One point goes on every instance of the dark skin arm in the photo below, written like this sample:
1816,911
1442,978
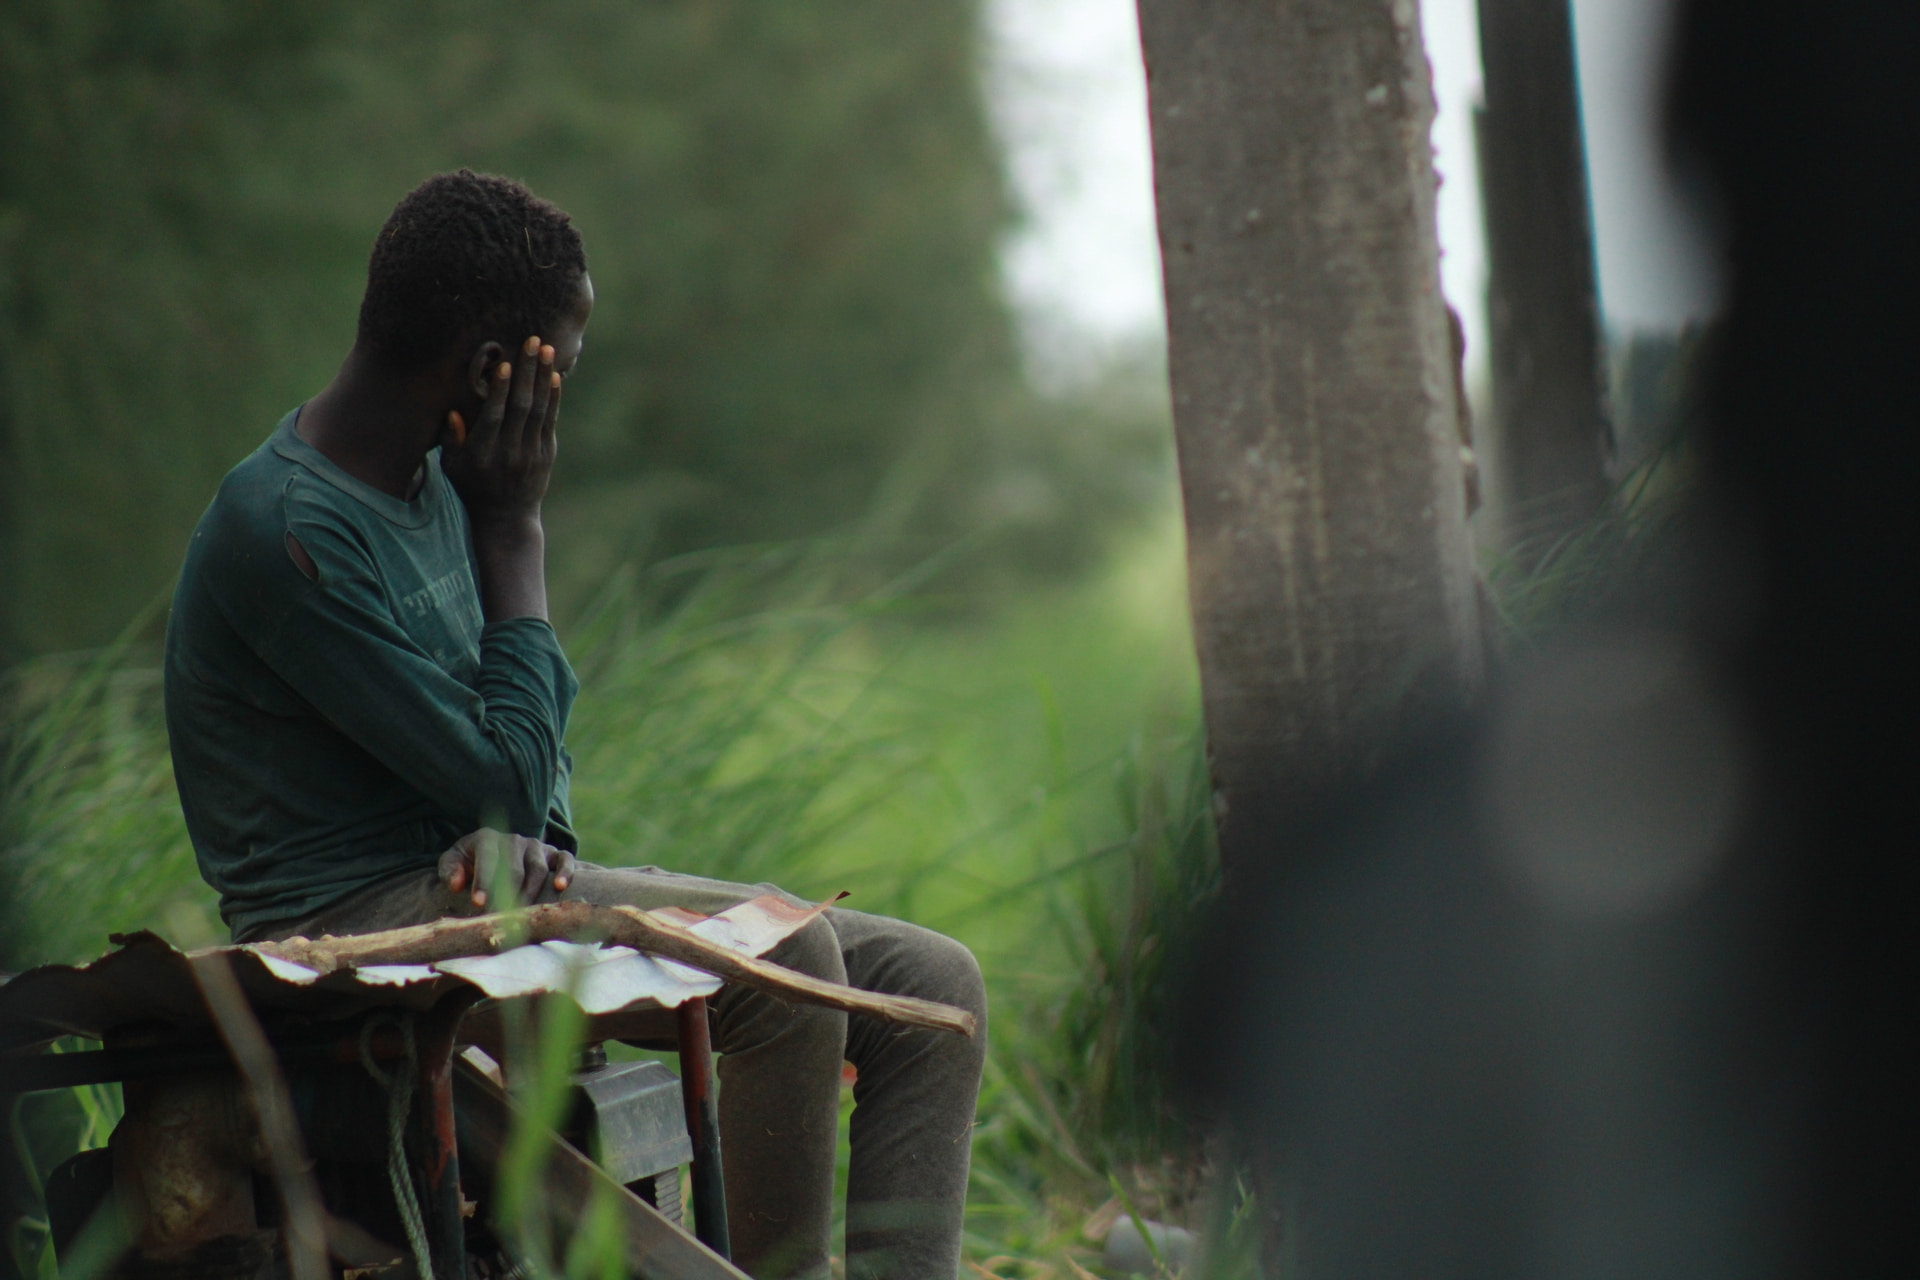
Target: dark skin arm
378,426
500,470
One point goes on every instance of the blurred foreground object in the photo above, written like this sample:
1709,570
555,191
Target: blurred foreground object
1549,444
1608,978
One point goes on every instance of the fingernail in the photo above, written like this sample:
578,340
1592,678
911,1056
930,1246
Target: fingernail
556,382
546,355
504,372
479,898
533,345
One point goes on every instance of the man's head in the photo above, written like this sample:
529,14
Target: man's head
469,261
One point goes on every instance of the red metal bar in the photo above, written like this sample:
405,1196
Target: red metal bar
439,1145
703,1127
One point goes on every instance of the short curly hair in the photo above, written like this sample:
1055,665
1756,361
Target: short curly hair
467,256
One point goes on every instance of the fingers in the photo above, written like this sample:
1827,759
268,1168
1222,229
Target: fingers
484,436
456,864
520,403
531,861
486,863
547,428
455,868
560,867
543,380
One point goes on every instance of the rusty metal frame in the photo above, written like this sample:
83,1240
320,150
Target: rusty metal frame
441,1202
703,1127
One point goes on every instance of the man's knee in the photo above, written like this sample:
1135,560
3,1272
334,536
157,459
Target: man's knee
813,950
935,967
952,974
750,1018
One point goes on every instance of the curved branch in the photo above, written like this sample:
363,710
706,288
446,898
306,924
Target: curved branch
621,926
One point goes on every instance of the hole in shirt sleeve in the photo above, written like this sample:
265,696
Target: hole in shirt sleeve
301,559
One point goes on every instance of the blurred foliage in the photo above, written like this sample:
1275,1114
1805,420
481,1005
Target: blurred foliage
792,214
88,811
1077,1102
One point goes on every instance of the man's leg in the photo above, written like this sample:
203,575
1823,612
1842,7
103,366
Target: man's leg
914,1098
913,1118
779,1078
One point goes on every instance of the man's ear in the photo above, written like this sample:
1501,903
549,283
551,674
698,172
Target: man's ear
480,368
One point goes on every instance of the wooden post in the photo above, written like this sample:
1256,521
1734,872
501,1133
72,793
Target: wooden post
1550,444
1330,568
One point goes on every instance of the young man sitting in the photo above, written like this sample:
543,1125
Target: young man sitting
360,675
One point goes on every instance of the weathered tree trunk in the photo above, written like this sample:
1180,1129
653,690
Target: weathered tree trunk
1330,568
1550,444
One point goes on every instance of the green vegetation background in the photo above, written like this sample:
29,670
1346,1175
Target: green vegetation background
854,607
792,214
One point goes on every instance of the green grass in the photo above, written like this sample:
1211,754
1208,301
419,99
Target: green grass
1024,776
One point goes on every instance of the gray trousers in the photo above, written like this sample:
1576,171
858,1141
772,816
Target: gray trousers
780,1075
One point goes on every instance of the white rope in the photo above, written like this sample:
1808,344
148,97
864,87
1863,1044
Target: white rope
399,1088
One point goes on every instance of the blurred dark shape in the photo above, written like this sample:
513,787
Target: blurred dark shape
1653,392
1609,977
1547,438
18,1195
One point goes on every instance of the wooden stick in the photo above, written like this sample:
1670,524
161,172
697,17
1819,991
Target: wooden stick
621,926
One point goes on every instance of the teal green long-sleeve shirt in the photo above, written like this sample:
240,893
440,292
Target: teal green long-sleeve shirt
330,732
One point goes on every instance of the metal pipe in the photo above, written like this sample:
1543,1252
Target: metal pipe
439,1146
703,1127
